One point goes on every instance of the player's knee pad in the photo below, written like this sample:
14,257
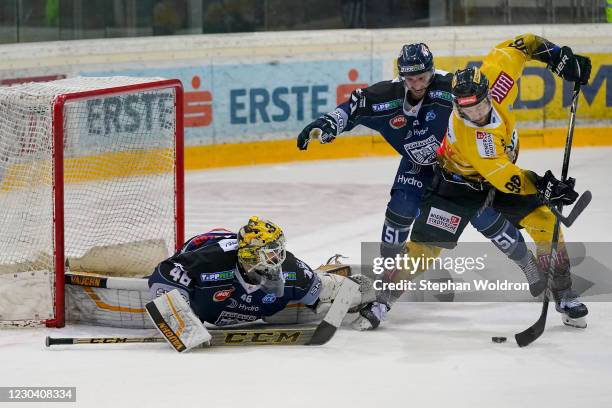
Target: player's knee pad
505,236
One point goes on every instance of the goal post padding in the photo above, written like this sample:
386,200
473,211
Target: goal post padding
85,163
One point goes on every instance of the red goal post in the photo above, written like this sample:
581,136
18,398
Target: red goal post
86,163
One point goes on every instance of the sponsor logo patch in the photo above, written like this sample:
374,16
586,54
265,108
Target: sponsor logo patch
411,181
398,121
429,116
226,318
217,276
501,87
485,144
440,95
247,308
228,244
269,298
385,106
423,151
222,295
412,68
468,100
289,276
444,220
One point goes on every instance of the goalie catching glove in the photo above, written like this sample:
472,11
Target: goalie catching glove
174,319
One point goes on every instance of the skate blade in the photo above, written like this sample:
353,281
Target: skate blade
579,323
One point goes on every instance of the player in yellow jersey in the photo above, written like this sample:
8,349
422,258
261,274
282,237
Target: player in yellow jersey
476,163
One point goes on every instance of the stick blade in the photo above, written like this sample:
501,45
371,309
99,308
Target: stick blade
580,205
323,333
529,335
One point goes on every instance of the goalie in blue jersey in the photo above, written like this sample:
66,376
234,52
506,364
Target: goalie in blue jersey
224,278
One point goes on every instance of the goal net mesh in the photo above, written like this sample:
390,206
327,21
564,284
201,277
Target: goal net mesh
119,185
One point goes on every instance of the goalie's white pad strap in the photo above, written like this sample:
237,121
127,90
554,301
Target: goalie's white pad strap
175,320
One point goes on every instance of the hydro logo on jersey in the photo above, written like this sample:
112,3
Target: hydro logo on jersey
409,181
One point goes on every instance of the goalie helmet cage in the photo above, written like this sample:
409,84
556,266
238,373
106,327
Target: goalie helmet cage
85,163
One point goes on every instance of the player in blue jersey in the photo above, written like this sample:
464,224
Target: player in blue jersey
411,112
227,278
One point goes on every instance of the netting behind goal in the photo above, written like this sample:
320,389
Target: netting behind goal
90,175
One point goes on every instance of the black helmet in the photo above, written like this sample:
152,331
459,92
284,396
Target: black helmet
469,87
414,59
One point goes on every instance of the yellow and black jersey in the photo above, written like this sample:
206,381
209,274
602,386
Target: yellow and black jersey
487,153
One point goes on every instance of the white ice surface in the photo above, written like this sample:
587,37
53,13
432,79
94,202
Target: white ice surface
426,355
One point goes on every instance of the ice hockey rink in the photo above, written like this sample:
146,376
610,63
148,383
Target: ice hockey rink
425,355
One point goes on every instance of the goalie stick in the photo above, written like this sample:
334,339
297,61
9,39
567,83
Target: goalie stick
313,336
529,335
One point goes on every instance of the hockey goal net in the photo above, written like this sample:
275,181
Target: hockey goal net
88,166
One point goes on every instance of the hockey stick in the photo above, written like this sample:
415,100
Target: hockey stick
219,338
313,336
580,205
529,335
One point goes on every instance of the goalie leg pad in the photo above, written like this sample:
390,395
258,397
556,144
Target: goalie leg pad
173,317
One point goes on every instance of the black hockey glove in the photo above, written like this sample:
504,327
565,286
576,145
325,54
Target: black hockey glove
329,131
553,191
570,66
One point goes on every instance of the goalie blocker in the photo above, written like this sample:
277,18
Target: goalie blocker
175,320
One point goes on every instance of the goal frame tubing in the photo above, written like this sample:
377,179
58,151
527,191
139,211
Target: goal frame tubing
58,175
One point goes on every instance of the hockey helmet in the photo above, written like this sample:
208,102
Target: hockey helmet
469,87
414,59
261,252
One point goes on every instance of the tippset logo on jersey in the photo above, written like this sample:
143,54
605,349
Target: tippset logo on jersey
398,122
